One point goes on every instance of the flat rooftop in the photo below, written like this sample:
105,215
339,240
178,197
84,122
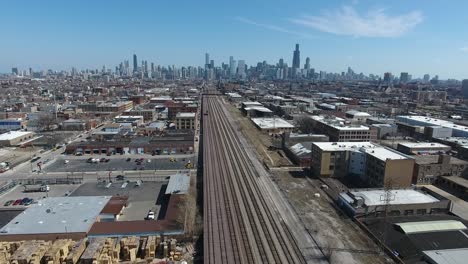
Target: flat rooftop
423,145
377,197
178,183
57,215
185,115
258,108
447,256
372,149
269,123
433,122
13,134
338,123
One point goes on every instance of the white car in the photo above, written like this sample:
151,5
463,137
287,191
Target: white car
66,161
150,215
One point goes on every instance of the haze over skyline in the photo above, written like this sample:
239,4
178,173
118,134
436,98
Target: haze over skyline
395,36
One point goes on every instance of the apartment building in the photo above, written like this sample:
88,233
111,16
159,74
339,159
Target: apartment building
365,162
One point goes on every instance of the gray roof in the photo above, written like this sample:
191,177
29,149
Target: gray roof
447,256
57,215
178,183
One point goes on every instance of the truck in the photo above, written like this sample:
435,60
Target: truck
36,188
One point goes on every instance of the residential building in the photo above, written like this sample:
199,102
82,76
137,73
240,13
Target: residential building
369,163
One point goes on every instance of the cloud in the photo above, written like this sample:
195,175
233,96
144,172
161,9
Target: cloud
346,21
274,28
464,49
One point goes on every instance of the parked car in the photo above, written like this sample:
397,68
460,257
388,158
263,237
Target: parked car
129,159
107,160
66,161
120,177
102,160
150,215
28,202
17,202
8,203
24,201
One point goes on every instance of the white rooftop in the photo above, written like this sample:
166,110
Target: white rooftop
191,115
268,123
372,149
258,108
57,215
423,145
378,197
13,134
357,113
338,123
434,122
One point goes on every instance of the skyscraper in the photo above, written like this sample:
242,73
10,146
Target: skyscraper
465,88
135,63
404,77
14,71
207,60
296,64
307,64
241,69
232,66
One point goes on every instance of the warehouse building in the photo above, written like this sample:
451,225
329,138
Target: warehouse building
444,125
365,162
374,202
15,138
413,148
185,120
56,217
273,125
340,131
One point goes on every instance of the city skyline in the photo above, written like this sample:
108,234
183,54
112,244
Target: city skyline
58,36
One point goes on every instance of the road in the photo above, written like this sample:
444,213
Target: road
244,215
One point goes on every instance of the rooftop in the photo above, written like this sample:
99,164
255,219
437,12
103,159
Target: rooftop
185,115
258,108
431,226
13,134
447,256
57,215
423,145
300,150
434,122
357,113
403,196
338,123
268,123
178,183
372,149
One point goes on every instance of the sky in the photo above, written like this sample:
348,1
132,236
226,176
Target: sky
417,36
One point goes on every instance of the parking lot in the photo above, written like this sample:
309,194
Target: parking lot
81,165
17,192
141,199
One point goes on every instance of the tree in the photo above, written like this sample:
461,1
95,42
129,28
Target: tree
305,124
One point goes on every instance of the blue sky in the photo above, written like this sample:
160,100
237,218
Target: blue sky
418,36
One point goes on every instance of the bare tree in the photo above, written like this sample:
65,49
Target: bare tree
46,122
305,124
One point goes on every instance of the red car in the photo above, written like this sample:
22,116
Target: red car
18,202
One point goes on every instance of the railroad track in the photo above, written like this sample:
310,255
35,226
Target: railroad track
240,224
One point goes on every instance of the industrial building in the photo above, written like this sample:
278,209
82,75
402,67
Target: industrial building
15,138
369,163
440,128
340,131
273,125
185,120
57,217
374,202
420,148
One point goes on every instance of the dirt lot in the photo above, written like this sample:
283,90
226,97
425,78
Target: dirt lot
258,139
335,232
